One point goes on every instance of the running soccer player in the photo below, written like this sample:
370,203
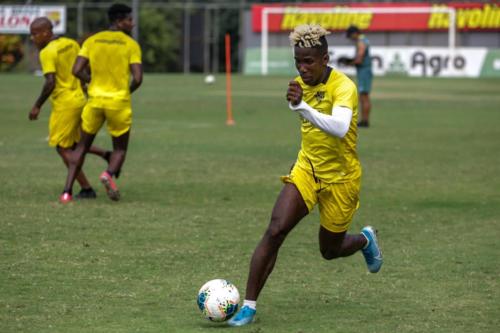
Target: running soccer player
113,56
364,75
327,171
57,55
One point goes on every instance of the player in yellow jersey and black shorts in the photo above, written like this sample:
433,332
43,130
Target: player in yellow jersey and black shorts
113,58
327,172
57,56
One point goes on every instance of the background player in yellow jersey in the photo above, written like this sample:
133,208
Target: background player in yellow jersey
57,56
113,56
327,171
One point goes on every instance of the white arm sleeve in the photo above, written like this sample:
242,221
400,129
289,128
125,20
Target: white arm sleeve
336,125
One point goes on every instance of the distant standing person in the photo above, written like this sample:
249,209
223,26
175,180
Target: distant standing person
363,63
57,56
114,59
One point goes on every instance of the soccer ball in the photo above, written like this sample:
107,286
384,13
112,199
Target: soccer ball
218,300
209,79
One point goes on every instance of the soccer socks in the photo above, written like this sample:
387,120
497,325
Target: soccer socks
251,304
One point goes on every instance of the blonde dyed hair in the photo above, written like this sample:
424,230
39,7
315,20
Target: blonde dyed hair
307,35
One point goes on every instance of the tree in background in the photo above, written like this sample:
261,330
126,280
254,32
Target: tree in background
160,39
11,51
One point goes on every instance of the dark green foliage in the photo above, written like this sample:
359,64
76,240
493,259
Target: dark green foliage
160,39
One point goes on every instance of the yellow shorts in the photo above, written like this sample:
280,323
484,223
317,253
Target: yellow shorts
337,202
64,126
118,120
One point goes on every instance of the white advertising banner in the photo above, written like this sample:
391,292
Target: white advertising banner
419,61
406,61
17,19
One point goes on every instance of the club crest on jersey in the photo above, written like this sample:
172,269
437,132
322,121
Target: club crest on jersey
320,95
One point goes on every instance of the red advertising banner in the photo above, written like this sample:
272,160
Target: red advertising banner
469,16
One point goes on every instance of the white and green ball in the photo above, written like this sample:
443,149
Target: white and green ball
218,300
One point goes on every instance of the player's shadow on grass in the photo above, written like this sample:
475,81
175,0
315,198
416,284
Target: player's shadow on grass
212,325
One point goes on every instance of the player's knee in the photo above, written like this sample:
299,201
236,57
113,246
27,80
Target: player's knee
60,150
63,153
275,233
330,253
75,157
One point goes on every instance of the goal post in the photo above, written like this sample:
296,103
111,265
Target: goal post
266,11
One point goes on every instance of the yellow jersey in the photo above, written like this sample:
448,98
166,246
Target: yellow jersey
328,158
110,54
58,57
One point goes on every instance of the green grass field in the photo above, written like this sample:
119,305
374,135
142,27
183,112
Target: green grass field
197,195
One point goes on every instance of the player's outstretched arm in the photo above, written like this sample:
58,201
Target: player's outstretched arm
136,70
48,87
80,69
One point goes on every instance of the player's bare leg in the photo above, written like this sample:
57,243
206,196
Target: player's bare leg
365,110
65,155
120,145
95,150
76,160
288,210
104,154
336,245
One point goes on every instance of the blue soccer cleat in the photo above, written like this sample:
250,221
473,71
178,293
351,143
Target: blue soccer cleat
371,252
243,317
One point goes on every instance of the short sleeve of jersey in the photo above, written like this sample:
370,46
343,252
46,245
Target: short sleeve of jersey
48,58
135,53
345,94
84,51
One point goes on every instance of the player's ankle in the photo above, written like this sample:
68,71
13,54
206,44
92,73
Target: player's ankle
251,304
